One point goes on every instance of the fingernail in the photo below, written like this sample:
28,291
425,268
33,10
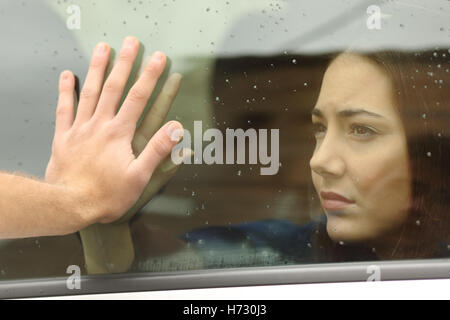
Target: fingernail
129,42
65,75
175,131
158,56
101,49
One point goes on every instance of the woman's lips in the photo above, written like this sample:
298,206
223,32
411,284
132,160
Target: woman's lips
334,201
334,204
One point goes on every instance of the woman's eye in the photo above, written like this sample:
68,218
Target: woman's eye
318,129
362,131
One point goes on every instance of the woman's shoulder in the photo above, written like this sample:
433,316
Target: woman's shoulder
275,239
273,230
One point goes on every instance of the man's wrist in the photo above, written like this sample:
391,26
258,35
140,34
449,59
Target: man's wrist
79,205
31,207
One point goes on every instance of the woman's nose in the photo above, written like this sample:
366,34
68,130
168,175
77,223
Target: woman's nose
327,159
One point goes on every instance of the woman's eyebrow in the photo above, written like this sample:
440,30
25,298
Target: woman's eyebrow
347,113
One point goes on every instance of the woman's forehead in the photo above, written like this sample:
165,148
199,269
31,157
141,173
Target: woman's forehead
351,70
354,80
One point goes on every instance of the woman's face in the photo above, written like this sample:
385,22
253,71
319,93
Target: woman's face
361,152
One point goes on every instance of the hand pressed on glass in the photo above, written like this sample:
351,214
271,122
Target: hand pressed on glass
92,154
99,157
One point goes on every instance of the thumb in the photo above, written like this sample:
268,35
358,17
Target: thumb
159,147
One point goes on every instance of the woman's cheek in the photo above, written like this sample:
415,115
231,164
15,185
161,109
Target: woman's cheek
367,175
384,192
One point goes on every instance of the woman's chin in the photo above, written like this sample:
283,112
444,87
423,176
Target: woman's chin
343,231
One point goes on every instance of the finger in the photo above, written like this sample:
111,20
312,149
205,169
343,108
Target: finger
157,149
65,108
107,248
179,156
138,144
90,93
160,177
117,80
158,112
141,91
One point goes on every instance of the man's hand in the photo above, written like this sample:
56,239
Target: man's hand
92,155
149,126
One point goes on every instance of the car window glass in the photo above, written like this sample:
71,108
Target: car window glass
263,185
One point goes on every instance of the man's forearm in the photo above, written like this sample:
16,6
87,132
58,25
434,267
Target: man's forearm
30,208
